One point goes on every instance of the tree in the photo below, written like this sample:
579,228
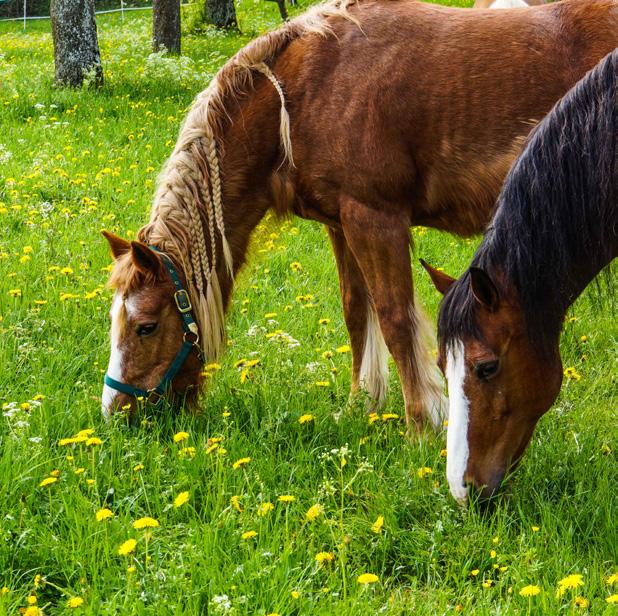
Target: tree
76,46
166,25
221,13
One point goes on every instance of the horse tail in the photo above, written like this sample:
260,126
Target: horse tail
373,376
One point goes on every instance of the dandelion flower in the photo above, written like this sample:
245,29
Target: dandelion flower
235,502
240,463
31,599
423,471
187,452
74,602
475,572
376,527
313,512
47,481
145,523
264,509
303,419
367,578
581,602
529,591
179,437
93,442
612,599
181,499
388,416
343,349
324,557
295,594
249,534
535,529
612,579
33,610
487,583
575,580
103,514
138,467
127,547
286,498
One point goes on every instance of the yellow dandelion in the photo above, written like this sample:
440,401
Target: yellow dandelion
322,383
240,463
264,509
145,523
33,610
181,499
345,348
487,583
127,547
303,419
295,594
529,591
85,432
324,557
179,437
93,442
376,527
31,599
367,578
103,514
612,579
235,502
423,471
249,534
475,572
138,467
313,512
535,529
286,498
75,602
388,416
575,580
612,599
48,481
296,266
581,602
324,321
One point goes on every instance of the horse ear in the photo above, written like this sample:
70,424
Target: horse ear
483,288
441,280
117,245
145,260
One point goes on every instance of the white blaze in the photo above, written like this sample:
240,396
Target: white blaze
115,358
457,435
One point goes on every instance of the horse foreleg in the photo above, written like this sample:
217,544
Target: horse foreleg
369,352
380,243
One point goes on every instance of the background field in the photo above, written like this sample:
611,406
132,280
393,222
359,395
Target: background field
75,162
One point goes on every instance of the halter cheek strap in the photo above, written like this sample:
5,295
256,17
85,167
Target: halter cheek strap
156,395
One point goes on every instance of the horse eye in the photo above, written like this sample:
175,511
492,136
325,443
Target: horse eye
145,329
485,370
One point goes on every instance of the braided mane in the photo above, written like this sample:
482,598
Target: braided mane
188,202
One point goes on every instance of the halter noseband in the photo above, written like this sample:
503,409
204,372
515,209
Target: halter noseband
155,395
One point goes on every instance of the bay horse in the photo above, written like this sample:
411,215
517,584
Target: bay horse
555,228
367,117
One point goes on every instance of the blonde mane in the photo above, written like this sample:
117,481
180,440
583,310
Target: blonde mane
188,202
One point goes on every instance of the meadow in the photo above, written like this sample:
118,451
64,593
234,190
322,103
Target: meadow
274,497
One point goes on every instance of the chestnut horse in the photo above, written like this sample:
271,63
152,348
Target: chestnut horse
368,117
555,229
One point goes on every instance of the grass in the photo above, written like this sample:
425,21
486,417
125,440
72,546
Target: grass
75,162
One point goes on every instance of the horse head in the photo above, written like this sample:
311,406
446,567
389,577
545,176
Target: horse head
154,352
499,382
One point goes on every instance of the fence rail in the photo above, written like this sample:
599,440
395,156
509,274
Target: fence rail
120,10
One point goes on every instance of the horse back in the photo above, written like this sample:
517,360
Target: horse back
425,107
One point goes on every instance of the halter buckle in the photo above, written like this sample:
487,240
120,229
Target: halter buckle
154,397
183,303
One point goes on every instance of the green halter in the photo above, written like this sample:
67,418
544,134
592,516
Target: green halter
156,395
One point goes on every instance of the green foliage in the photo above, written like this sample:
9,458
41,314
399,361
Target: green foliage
74,162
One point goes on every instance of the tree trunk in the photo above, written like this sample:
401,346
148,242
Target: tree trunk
166,25
76,47
221,13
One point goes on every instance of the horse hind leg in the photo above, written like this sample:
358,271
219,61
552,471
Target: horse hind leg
380,244
369,352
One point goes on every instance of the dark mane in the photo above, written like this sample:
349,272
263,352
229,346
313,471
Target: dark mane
555,225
